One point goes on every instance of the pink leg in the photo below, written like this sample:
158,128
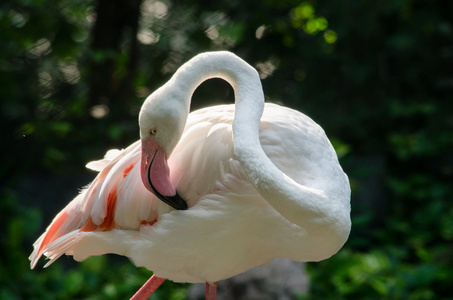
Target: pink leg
211,291
148,288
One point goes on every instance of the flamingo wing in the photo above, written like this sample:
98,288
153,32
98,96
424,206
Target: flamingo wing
116,199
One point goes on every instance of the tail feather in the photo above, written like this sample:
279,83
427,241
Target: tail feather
68,220
61,246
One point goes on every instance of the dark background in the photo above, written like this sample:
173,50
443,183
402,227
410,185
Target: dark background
376,75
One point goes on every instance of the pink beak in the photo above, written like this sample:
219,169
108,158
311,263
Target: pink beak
156,175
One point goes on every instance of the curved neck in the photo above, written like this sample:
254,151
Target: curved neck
299,204
249,97
249,103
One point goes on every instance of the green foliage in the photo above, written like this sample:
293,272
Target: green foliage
378,275
401,250
376,75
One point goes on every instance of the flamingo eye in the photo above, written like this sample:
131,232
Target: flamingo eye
153,131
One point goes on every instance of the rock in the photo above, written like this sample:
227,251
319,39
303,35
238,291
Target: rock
280,279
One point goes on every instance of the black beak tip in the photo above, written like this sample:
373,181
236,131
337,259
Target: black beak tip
174,201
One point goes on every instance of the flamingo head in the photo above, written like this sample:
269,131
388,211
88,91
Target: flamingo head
162,119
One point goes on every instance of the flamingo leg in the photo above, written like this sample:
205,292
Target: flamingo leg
211,291
148,288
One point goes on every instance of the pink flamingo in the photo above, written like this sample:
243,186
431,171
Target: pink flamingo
243,184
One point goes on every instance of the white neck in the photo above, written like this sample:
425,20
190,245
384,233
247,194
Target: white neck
303,206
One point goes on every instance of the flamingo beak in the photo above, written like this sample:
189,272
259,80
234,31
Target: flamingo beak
156,175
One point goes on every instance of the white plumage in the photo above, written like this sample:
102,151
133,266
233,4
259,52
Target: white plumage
242,212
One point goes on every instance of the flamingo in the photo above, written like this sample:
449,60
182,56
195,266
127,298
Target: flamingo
204,196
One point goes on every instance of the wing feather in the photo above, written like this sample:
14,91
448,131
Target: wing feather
116,199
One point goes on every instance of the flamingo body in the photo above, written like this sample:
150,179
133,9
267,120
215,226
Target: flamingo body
260,181
228,229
